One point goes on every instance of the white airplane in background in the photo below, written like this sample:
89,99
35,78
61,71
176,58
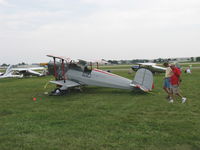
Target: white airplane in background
15,72
150,66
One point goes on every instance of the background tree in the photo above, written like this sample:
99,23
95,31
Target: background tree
198,58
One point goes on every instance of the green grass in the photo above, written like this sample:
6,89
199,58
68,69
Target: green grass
98,118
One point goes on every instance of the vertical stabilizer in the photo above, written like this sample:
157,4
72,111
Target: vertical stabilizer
8,70
143,79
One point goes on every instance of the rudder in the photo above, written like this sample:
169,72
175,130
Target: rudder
143,79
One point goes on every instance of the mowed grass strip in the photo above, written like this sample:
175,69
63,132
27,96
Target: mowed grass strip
98,118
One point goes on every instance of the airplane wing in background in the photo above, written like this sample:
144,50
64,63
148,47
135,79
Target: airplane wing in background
34,72
29,68
147,64
82,62
158,67
30,71
11,72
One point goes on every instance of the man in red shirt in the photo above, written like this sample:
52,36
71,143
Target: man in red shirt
175,82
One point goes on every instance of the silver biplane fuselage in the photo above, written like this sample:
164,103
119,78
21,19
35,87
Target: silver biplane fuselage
99,78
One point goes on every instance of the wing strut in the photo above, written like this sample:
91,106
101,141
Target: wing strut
55,70
63,70
91,65
97,65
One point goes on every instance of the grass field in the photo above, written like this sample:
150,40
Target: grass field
98,118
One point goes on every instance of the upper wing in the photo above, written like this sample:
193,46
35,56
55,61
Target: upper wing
60,57
66,83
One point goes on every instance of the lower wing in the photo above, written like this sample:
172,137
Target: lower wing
66,84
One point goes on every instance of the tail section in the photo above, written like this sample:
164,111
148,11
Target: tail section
143,80
8,70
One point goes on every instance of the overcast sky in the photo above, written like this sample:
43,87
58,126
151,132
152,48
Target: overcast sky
95,29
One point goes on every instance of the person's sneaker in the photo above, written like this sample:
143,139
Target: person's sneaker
171,101
184,99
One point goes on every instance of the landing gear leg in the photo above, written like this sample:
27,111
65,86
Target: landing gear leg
79,89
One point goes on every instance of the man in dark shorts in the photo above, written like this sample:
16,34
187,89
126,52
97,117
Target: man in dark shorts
167,84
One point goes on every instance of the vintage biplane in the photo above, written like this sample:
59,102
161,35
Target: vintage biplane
75,74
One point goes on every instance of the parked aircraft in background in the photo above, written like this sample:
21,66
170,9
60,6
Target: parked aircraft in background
72,74
9,74
150,66
19,72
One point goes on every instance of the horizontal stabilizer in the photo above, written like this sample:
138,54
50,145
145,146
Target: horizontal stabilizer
136,85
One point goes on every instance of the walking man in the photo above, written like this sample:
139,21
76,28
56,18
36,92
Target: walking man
167,84
175,82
